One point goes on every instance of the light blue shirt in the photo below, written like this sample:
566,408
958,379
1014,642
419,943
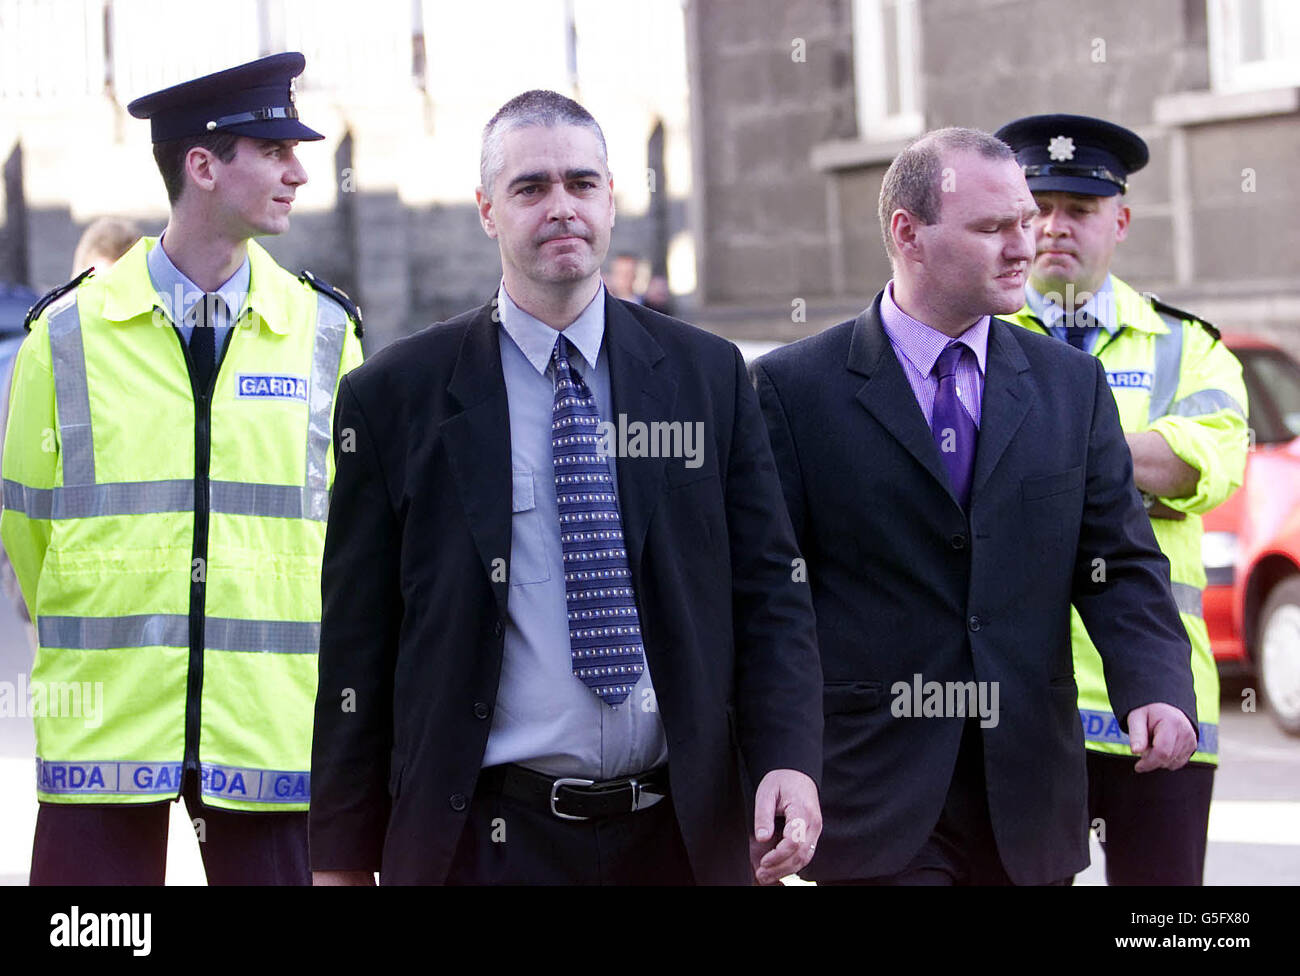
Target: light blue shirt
1101,306
174,289
545,718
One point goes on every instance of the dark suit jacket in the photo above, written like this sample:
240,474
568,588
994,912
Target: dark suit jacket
904,583
413,620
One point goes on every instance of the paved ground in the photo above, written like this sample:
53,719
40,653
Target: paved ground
1254,820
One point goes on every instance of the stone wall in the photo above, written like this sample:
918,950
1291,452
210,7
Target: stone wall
787,214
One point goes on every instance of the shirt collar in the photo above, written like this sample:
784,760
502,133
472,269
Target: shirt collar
920,343
172,285
536,340
1101,306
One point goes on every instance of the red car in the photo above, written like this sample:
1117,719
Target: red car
1251,548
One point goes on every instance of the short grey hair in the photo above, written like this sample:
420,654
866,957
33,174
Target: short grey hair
536,107
913,181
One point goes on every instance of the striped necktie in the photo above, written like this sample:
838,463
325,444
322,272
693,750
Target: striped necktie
604,628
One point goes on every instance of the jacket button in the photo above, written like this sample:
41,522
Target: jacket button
480,710
458,802
497,629
958,541
974,623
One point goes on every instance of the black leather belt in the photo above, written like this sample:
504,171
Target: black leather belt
573,798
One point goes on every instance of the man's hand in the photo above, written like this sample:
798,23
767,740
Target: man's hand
343,878
1162,735
793,795
1157,469
1162,511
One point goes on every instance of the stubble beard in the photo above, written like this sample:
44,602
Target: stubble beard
565,268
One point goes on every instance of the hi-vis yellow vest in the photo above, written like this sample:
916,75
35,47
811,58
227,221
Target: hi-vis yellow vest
1170,374
168,548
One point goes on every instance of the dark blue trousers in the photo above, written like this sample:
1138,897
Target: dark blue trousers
123,844
1156,823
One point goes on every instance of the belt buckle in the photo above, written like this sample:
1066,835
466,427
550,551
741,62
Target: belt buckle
555,790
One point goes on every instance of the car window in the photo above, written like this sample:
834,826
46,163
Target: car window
1273,385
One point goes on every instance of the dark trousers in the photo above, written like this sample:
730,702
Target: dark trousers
509,841
1153,824
127,844
961,850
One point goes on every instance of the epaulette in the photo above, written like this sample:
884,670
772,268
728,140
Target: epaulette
1165,309
50,297
339,295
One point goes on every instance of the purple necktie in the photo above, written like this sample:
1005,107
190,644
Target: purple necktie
954,430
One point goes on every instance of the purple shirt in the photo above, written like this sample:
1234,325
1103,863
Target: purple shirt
917,346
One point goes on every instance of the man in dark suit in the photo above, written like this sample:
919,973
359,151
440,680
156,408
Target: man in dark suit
564,618
955,483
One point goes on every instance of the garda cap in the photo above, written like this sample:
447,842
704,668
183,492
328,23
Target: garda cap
1075,153
254,99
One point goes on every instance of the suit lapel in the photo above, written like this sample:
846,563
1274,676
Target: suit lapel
1006,400
477,441
888,396
643,390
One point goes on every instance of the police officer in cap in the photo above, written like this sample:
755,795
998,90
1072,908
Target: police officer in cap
1183,407
167,473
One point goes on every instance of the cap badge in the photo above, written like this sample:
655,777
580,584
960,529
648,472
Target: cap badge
1061,149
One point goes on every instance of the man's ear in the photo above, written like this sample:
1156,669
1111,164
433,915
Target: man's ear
903,227
611,201
485,212
199,167
1122,216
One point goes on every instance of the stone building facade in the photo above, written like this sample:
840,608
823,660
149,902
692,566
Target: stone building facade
799,105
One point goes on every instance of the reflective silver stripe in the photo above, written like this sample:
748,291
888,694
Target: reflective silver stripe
86,501
273,501
261,785
274,636
89,777
1187,598
1167,369
173,630
68,361
102,633
21,498
1206,401
151,497
226,782
32,502
1103,727
331,329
